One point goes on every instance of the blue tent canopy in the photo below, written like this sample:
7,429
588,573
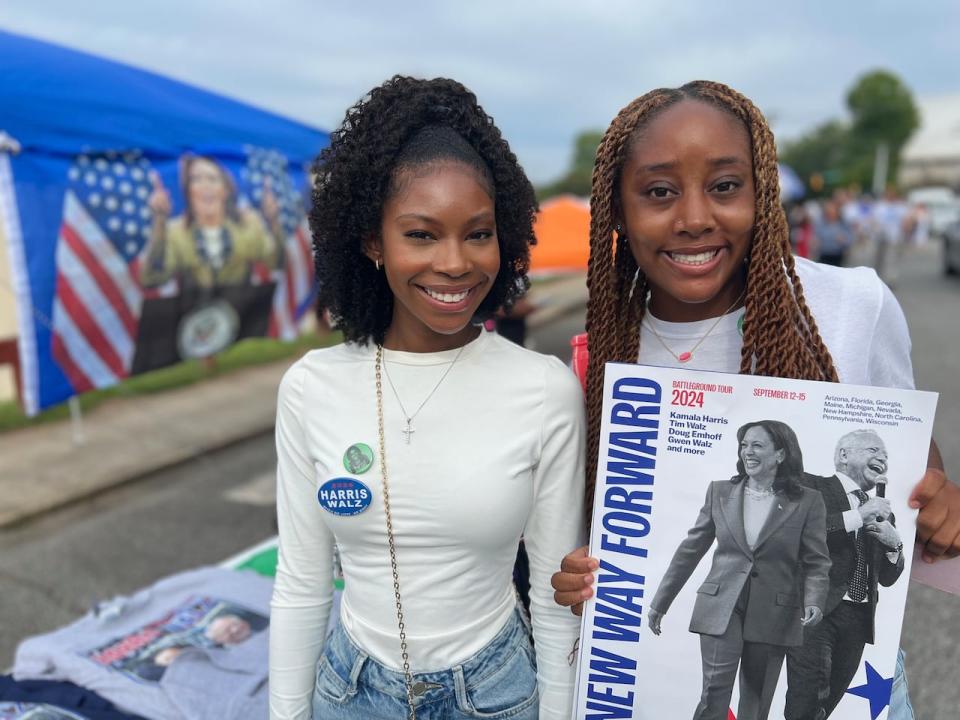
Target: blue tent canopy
90,132
61,100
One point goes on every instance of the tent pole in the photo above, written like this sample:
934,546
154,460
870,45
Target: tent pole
76,421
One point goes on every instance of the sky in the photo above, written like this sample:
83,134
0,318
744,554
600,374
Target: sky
544,70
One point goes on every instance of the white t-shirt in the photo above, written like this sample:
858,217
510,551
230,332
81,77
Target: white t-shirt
858,317
497,452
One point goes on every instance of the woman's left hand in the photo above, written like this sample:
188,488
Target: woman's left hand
572,585
653,620
938,524
812,615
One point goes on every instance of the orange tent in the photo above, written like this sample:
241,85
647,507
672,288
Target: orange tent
563,236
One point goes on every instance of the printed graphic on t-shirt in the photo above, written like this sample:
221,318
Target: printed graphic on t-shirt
33,711
205,622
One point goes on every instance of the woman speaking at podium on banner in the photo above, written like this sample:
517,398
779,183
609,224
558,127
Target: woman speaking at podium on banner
213,243
754,603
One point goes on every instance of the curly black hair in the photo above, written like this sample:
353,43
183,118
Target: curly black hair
356,174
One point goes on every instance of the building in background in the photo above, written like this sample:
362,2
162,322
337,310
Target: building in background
932,156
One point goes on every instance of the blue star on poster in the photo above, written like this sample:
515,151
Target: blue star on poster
877,690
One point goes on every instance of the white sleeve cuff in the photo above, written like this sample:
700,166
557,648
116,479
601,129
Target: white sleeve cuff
852,520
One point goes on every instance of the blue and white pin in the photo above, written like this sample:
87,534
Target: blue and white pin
344,496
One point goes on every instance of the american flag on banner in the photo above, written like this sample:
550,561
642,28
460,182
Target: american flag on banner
106,222
295,284
105,226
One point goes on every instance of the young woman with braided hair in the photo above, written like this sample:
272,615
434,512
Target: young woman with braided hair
690,266
423,446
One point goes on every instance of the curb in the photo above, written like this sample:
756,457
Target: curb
15,519
128,439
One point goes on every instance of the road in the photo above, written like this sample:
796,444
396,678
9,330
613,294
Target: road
53,569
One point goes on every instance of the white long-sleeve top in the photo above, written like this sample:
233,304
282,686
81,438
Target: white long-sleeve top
497,452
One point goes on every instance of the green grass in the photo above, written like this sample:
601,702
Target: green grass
246,353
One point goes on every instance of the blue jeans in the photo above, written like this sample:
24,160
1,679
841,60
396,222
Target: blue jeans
499,681
900,707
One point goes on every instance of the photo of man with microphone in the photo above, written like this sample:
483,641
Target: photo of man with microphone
866,551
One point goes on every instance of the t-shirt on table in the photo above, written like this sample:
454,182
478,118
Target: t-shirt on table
191,647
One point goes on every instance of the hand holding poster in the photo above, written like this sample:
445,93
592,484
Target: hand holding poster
751,536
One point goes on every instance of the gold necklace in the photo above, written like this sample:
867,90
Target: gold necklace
407,675
688,355
408,431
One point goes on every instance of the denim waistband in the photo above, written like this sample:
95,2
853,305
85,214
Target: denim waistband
365,670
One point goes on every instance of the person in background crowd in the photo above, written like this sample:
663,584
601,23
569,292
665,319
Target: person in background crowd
855,211
834,236
802,238
512,323
888,224
917,226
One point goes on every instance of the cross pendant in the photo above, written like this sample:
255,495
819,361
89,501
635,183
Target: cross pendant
408,432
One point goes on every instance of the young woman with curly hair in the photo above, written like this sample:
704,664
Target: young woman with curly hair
690,266
423,446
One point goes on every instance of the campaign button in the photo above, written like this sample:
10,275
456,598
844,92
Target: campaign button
344,496
358,458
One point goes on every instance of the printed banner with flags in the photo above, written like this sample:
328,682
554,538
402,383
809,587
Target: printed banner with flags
147,221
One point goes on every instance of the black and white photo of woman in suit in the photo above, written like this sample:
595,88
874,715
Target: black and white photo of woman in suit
769,574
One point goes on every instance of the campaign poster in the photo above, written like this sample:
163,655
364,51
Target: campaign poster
155,262
755,544
147,221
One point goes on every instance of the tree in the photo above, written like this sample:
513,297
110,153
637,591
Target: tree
882,111
577,178
843,153
821,152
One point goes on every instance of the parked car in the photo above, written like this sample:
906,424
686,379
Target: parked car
951,248
942,204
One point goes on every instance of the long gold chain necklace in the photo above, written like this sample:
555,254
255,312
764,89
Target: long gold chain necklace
407,675
688,355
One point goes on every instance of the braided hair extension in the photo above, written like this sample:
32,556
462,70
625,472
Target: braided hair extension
407,123
780,336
